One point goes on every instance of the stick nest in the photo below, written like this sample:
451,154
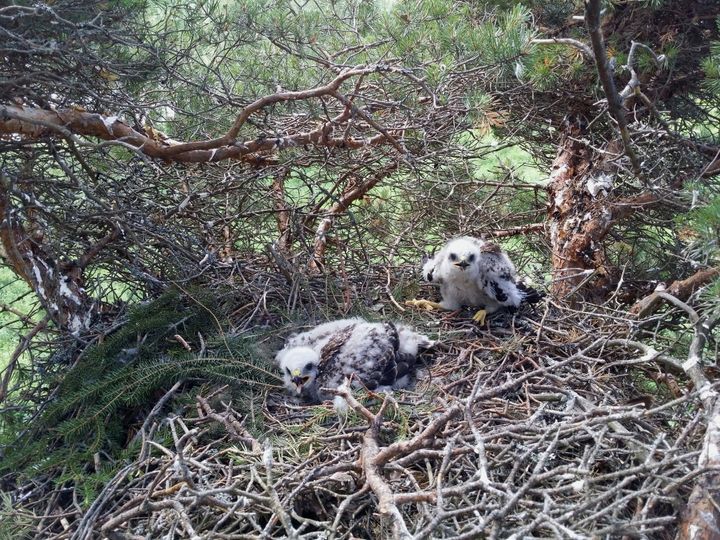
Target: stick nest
544,424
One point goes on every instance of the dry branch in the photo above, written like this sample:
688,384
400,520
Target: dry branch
282,215
352,194
592,21
69,123
680,289
701,518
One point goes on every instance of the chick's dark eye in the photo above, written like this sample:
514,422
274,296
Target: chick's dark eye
308,366
453,257
471,258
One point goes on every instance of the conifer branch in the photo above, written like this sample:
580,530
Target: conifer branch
582,47
592,21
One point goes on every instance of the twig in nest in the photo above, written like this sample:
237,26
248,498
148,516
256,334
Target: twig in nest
234,428
181,341
371,466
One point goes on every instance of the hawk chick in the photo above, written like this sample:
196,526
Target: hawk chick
373,354
473,272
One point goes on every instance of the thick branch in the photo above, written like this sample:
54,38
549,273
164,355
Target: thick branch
58,285
37,123
681,289
371,465
701,519
12,363
386,497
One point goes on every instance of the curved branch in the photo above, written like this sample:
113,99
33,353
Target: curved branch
261,103
345,101
352,194
633,84
681,290
371,464
592,21
69,123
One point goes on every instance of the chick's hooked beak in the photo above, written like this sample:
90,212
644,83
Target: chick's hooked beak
298,380
462,264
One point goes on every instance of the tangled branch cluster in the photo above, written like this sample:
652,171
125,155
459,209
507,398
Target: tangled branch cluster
343,180
533,428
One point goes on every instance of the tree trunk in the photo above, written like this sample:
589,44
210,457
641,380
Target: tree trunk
578,221
58,285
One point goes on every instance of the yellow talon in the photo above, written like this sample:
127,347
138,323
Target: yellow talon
427,305
479,316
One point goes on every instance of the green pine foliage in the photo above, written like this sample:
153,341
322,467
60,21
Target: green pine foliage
701,228
13,292
104,398
240,42
14,524
711,67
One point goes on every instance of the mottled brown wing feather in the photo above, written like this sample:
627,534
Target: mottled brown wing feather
388,361
330,351
489,247
333,347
